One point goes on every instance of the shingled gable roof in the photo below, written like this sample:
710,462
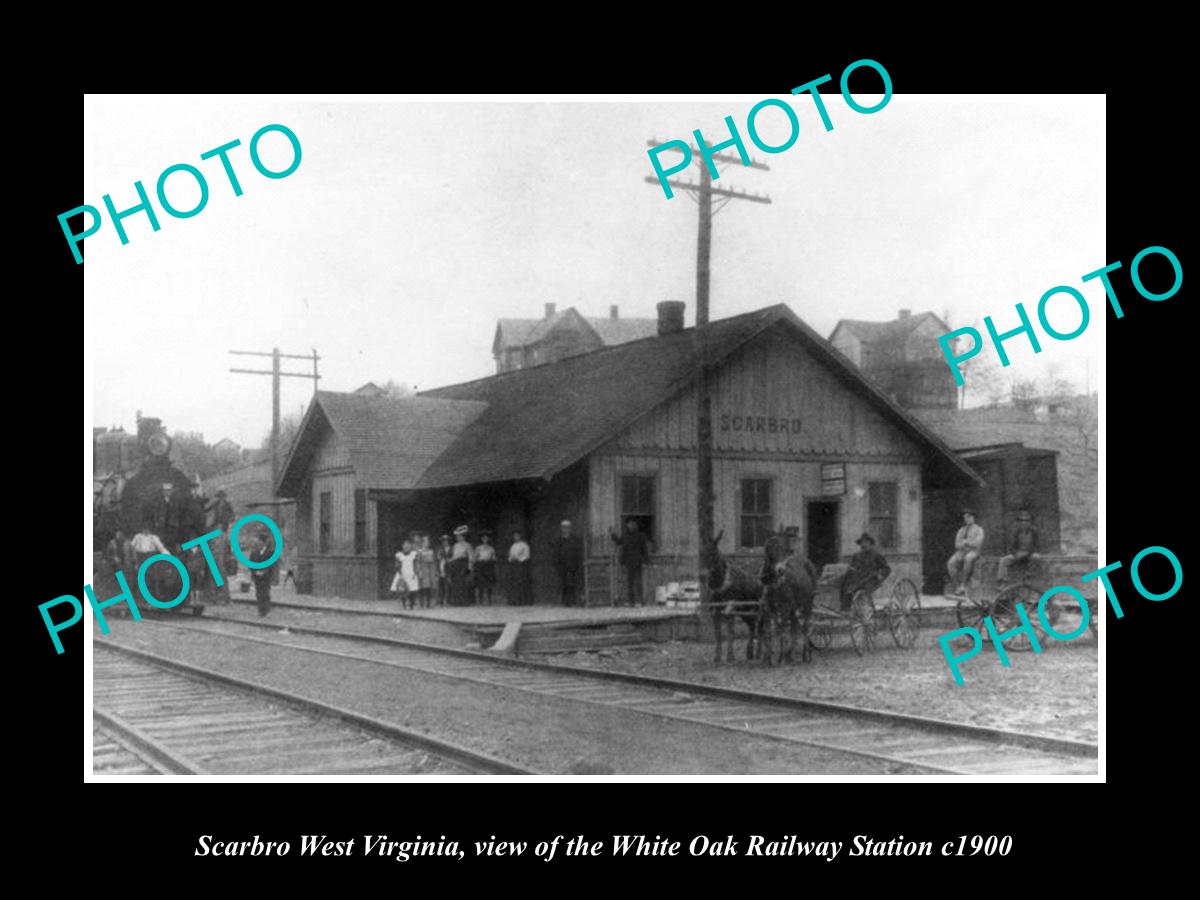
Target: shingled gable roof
887,332
541,419
619,331
610,331
522,332
391,442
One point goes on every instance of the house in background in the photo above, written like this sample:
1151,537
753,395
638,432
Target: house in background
902,357
521,343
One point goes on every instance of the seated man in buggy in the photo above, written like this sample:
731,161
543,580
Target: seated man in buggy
868,570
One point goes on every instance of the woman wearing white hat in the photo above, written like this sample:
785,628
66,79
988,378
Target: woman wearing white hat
458,568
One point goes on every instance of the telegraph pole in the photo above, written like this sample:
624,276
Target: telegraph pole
276,374
702,192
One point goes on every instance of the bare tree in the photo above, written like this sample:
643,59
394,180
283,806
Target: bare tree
289,427
395,390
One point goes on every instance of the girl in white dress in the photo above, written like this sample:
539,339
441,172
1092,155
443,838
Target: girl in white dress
406,583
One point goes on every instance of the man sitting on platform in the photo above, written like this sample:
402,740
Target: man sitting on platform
967,544
1022,550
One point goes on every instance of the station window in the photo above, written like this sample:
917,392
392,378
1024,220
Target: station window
883,503
637,503
360,521
757,520
325,522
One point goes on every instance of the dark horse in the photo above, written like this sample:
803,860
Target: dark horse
787,603
733,593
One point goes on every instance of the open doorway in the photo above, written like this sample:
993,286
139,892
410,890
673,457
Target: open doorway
822,531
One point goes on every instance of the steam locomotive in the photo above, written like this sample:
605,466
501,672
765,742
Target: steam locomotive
129,475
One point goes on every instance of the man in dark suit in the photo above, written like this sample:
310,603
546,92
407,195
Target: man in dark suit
262,577
167,516
868,570
567,555
634,554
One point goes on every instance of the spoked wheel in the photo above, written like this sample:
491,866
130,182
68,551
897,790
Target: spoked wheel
862,623
971,612
905,593
902,614
820,637
1005,618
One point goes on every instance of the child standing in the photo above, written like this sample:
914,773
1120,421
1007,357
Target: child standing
406,583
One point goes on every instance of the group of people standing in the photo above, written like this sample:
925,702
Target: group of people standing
168,519
455,573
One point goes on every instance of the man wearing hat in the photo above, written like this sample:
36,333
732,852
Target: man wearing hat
220,516
262,577
868,569
1022,550
221,511
567,556
967,544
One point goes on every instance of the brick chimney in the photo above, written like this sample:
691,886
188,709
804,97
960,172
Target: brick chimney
905,313
549,310
670,316
613,313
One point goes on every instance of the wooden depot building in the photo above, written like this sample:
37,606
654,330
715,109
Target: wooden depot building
801,438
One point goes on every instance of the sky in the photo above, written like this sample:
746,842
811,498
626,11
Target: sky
410,227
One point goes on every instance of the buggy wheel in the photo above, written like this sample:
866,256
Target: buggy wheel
905,593
820,636
903,625
862,623
902,613
971,612
1005,618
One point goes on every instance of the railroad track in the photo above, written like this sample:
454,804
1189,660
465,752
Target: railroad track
116,750
153,715
908,744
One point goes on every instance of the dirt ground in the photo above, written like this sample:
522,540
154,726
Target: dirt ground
545,734
1054,692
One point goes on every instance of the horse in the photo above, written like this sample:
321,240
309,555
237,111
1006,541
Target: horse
787,609
729,584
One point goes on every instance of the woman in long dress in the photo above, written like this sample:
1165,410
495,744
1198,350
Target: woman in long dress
458,568
427,571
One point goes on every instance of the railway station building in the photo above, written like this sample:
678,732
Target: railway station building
800,437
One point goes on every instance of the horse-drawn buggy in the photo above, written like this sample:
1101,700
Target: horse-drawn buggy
893,605
986,595
789,602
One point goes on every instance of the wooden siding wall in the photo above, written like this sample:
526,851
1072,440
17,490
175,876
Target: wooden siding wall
774,378
339,571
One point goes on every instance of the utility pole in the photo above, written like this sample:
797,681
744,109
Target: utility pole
276,374
702,192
